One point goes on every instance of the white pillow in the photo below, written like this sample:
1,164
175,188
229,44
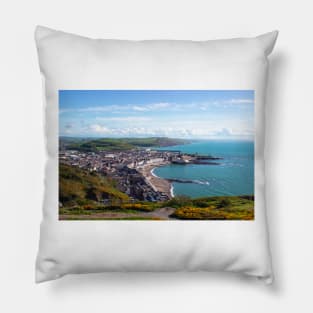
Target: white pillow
232,74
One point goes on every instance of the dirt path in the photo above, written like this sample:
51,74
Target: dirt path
162,214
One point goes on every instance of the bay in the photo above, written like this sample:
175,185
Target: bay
234,174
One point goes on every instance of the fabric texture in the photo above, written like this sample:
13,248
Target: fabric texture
71,62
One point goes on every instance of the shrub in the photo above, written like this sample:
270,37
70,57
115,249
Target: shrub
179,201
192,213
224,203
212,213
201,203
89,207
138,206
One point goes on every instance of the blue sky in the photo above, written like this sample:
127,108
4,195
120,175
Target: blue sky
198,114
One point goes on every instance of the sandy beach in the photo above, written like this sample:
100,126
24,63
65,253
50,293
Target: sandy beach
157,183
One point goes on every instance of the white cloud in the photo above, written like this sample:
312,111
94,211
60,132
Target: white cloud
118,108
224,132
139,108
99,108
174,131
240,101
178,132
151,107
203,106
96,128
124,119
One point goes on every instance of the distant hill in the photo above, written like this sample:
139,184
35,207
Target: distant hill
117,144
78,187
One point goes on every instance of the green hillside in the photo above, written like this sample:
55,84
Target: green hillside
117,144
80,187
213,208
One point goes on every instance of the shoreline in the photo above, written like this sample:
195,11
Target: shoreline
172,187
157,183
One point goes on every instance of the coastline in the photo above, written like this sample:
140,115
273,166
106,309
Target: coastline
157,183
172,187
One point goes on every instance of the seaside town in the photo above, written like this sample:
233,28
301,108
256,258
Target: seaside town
155,154
133,169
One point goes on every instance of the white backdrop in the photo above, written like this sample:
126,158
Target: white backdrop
289,150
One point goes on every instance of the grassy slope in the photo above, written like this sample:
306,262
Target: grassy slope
224,208
119,144
79,187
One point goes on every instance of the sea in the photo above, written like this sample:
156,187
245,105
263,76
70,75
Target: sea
233,175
